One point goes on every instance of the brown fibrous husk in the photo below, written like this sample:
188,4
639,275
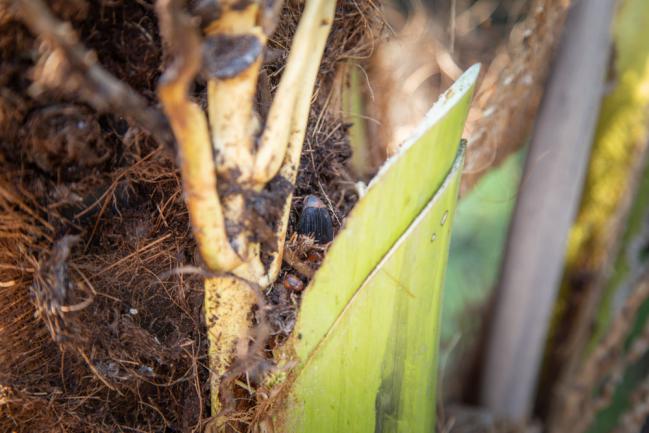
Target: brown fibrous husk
101,288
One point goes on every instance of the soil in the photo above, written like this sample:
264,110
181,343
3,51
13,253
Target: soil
101,290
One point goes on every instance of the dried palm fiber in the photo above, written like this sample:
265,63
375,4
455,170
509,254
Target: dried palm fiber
105,330
24,343
506,102
509,96
117,333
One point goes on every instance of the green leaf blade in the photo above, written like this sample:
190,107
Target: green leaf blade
367,335
399,192
376,370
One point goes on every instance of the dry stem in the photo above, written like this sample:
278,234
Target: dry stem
229,299
295,84
314,28
228,303
190,127
231,98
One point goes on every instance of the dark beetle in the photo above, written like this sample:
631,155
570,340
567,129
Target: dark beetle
315,220
293,283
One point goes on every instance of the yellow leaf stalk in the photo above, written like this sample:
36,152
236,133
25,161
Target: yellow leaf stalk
195,154
295,86
230,297
315,32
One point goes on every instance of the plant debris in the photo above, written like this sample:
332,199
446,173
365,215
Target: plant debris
101,301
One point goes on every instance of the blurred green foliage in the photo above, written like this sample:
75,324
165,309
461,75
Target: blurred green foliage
477,246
